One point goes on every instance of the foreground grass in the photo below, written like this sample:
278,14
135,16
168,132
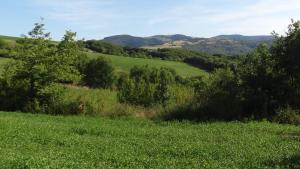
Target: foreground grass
40,141
126,63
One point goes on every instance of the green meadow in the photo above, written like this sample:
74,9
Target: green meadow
124,64
41,141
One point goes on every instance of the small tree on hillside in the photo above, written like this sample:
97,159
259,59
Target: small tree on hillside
99,73
39,64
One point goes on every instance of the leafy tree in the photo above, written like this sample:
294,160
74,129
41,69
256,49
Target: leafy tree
99,73
286,50
220,97
259,82
38,66
69,53
166,77
146,86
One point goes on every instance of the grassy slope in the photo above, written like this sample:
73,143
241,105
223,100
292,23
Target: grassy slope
9,38
125,63
40,141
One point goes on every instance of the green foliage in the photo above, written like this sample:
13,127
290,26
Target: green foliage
69,54
259,82
287,115
5,48
219,98
40,141
286,51
146,86
104,47
38,65
99,73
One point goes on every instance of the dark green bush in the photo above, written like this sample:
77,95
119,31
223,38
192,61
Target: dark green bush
287,115
99,73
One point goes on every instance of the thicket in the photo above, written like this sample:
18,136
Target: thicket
265,84
146,86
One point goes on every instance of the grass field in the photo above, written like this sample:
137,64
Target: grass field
8,38
126,63
40,141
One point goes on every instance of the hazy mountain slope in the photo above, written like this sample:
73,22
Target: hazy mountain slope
223,44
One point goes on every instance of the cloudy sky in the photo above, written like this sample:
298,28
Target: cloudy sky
95,19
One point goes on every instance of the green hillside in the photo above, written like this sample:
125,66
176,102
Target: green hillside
40,141
125,63
9,38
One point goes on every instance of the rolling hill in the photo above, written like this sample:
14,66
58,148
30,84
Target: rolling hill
124,64
223,44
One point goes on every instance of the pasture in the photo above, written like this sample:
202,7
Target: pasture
41,141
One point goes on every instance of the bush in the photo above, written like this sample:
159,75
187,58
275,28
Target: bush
146,86
99,73
287,115
219,98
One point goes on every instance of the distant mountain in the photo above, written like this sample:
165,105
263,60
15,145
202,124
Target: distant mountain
222,44
127,40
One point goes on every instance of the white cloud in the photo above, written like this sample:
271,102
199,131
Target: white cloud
191,17
261,17
87,13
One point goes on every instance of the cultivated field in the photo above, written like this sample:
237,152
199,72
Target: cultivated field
40,141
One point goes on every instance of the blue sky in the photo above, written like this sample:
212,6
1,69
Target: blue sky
95,19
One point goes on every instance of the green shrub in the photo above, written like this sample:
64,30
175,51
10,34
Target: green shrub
219,98
99,73
287,115
146,86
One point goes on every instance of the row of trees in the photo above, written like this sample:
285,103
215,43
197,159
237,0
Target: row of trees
264,84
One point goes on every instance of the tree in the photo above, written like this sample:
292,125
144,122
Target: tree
286,50
220,97
146,86
259,82
166,77
38,65
99,73
69,52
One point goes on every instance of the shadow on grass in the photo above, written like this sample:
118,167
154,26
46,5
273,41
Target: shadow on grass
291,136
196,113
292,162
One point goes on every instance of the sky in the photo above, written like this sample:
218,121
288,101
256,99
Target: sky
96,19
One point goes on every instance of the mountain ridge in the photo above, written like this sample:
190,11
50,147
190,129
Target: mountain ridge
233,44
